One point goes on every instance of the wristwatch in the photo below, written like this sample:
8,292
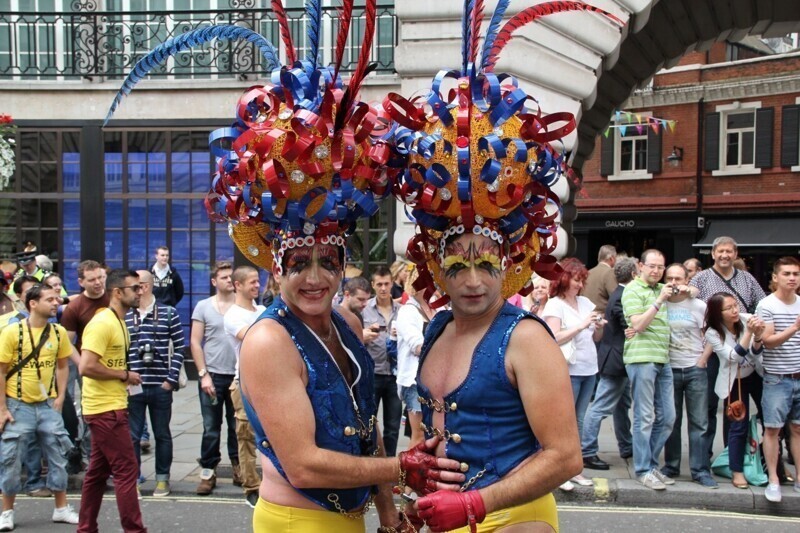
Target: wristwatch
202,372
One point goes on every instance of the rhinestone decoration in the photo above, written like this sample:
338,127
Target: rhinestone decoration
230,230
308,228
445,194
498,131
252,250
493,186
478,219
285,114
321,151
298,176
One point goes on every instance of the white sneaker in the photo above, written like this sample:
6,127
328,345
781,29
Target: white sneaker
773,492
567,486
65,515
582,481
7,520
650,481
663,478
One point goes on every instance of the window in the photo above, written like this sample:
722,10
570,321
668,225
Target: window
631,150
738,139
740,131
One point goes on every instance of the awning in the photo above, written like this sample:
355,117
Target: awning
772,232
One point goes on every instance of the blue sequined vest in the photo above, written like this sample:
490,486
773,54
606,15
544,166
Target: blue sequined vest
337,426
485,422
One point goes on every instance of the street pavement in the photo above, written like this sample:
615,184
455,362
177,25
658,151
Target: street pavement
615,487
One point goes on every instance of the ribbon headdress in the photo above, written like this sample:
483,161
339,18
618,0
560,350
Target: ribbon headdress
479,160
304,159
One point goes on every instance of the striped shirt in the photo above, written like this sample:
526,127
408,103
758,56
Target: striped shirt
159,324
710,282
652,344
783,359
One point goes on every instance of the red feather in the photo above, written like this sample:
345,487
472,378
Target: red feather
286,35
477,19
345,16
532,13
371,14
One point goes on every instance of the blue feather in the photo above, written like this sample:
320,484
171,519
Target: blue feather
188,40
465,32
494,27
314,15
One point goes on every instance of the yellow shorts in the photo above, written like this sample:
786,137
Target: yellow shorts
271,518
541,510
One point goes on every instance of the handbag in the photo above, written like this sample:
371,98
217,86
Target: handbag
736,410
568,350
753,467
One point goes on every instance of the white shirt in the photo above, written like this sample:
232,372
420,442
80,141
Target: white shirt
161,272
236,318
586,362
685,332
409,324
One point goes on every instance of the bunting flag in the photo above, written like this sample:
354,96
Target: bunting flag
629,122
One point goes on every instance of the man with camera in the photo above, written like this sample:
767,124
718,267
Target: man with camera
646,357
379,315
686,315
152,328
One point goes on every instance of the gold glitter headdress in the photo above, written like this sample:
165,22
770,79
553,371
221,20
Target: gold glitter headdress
480,161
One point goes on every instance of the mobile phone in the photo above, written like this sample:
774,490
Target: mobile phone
380,328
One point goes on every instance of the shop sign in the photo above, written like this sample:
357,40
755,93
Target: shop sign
620,224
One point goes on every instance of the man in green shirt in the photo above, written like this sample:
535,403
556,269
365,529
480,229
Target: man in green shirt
646,357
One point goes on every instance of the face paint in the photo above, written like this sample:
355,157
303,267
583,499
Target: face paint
484,256
299,259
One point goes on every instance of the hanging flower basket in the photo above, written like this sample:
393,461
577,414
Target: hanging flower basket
7,140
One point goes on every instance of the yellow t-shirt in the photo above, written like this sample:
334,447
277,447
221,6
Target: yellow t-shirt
53,349
107,336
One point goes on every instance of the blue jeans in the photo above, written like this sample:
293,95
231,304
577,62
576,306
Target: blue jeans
33,467
613,396
752,387
780,401
712,370
582,389
653,412
386,390
159,402
33,422
210,454
692,384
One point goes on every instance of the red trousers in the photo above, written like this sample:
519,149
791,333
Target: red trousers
112,454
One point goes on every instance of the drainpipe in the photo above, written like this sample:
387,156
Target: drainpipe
701,119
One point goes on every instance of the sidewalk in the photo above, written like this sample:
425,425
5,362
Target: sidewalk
617,486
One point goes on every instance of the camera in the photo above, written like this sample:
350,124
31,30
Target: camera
598,319
675,291
146,353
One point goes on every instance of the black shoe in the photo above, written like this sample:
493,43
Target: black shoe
252,499
595,463
626,455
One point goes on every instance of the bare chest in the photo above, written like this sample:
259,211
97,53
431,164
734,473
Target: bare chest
447,364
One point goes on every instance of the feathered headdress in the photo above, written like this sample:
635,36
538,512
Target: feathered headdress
304,159
479,160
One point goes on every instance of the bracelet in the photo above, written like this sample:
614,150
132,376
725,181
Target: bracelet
756,340
125,378
657,306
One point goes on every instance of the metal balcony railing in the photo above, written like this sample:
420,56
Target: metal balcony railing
95,45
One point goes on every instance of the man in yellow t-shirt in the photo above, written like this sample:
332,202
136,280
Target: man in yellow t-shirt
33,375
106,381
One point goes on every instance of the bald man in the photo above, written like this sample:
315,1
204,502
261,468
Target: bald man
151,327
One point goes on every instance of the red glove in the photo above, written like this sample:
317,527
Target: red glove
421,468
446,510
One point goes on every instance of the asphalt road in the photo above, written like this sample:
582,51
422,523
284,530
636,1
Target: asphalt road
231,516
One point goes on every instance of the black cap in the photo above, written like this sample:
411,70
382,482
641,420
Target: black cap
23,258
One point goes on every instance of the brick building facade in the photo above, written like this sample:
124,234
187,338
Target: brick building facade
729,167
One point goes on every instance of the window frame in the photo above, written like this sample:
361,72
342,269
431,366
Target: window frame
796,168
725,111
637,174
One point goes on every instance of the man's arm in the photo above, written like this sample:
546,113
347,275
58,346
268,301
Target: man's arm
281,390
177,286
91,367
640,321
196,347
62,375
772,339
542,378
5,415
